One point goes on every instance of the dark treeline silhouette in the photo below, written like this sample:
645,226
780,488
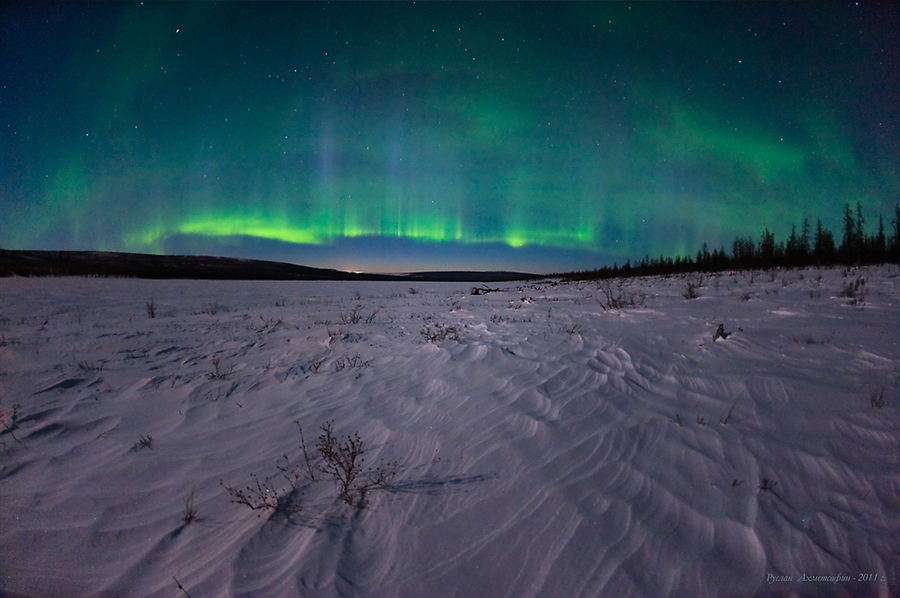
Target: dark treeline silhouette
199,267
804,247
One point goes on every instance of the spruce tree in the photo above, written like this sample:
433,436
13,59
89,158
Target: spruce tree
848,243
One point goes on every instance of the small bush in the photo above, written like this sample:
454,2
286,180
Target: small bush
190,512
218,373
9,420
484,290
353,316
811,340
340,459
264,496
354,361
855,291
766,484
343,461
692,286
435,333
270,323
616,296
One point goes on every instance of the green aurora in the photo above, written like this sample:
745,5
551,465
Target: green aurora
402,136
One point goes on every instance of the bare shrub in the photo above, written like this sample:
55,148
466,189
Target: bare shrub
340,459
354,316
310,470
437,332
855,291
572,330
727,417
263,495
811,340
616,296
270,323
692,286
218,373
10,422
766,484
189,513
484,290
356,361
151,309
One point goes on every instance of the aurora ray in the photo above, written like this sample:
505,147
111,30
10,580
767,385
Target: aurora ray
403,136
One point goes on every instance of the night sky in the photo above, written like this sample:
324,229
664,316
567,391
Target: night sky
415,136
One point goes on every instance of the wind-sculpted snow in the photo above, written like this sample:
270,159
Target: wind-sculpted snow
554,448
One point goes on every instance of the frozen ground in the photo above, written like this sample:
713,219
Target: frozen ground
556,448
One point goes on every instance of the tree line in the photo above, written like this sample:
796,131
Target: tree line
804,247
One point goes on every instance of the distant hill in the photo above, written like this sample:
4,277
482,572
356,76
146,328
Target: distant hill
140,265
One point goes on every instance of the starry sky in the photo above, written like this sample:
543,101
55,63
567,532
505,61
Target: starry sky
393,137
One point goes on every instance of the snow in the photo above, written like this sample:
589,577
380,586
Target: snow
557,448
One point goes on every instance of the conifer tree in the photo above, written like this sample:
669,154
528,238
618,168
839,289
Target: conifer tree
848,242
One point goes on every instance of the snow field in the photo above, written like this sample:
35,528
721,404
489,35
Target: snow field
557,448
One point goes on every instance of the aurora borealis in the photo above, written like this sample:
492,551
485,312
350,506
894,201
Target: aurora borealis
413,136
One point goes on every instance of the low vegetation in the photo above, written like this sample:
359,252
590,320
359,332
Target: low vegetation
437,332
340,460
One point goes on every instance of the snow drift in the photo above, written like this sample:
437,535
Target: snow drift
545,443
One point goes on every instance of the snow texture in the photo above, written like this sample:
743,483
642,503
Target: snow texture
555,448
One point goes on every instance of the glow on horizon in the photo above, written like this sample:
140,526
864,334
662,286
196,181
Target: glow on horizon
454,133
274,228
